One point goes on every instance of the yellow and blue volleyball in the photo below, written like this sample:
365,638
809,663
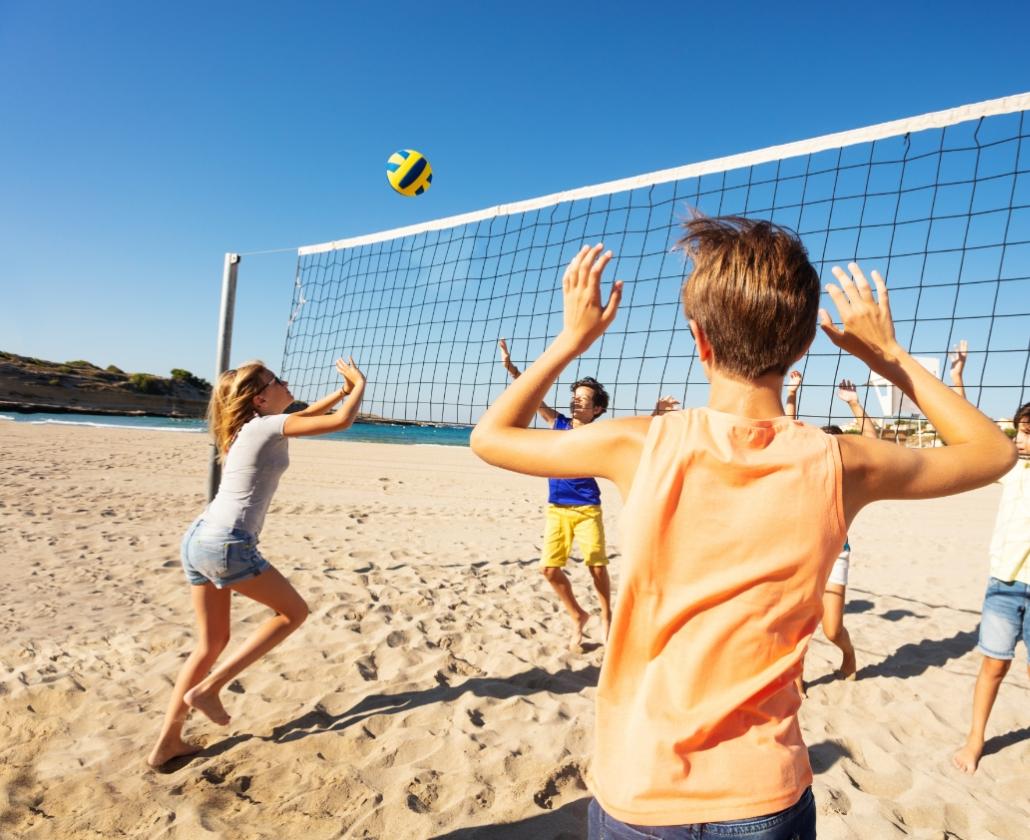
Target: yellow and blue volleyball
408,172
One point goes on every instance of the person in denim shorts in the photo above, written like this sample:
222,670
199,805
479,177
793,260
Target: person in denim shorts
1006,609
220,549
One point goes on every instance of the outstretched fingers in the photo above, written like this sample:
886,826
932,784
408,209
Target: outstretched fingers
586,315
614,299
861,284
572,271
881,294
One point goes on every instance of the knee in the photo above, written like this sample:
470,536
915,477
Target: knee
834,631
211,647
552,573
996,669
297,613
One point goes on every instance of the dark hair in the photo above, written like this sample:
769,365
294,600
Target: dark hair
1022,415
752,290
833,430
600,395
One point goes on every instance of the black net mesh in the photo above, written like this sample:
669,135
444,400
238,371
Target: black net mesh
943,213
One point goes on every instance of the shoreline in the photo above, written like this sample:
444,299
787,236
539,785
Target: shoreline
391,434
42,408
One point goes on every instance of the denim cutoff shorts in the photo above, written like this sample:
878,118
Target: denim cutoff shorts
219,555
1005,619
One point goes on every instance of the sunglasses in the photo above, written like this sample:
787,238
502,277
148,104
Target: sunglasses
270,381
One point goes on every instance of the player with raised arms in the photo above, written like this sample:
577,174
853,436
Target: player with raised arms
248,420
733,516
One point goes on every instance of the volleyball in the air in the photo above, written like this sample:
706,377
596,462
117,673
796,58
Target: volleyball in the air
408,172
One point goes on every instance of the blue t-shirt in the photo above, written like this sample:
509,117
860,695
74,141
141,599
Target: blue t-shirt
571,491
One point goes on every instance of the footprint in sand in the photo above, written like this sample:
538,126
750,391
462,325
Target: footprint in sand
396,639
213,776
367,668
838,802
556,783
423,792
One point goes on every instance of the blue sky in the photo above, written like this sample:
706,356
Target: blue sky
140,142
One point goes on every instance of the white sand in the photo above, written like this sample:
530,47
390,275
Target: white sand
429,693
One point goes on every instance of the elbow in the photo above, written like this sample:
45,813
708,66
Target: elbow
480,441
998,459
1007,456
344,421
476,441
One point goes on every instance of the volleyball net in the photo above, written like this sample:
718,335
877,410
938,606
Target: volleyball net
939,204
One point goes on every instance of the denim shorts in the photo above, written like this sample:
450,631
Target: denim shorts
1005,619
219,555
794,823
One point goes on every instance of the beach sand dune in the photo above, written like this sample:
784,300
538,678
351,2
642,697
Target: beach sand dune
430,693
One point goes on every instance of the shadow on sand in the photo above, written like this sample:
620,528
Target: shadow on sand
913,659
499,688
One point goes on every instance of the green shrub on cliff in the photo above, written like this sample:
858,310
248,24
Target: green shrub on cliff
180,375
147,383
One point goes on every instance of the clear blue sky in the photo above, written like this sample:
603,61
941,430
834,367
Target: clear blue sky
142,141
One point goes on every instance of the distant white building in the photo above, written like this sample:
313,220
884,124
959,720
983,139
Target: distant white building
893,402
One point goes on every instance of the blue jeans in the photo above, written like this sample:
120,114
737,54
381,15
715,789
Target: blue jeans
794,823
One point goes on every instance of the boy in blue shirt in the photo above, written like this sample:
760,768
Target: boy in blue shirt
574,509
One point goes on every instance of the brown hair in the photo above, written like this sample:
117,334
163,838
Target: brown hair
752,290
232,403
1022,416
600,394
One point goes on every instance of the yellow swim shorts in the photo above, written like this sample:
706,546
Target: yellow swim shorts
565,522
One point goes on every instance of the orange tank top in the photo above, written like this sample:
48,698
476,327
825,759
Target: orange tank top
728,535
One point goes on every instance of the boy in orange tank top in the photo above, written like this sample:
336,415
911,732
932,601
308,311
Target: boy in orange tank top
733,516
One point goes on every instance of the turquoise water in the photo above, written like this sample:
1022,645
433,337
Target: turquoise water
365,432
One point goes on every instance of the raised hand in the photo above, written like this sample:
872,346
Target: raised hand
502,345
794,380
585,317
665,404
847,391
958,359
352,376
867,329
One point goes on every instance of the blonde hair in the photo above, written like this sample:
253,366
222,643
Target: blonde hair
232,403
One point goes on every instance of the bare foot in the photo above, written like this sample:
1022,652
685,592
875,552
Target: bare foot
967,758
576,642
848,667
208,704
164,752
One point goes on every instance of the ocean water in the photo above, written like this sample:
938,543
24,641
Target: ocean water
364,432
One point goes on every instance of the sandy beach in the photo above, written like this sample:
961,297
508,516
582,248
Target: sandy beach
430,693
